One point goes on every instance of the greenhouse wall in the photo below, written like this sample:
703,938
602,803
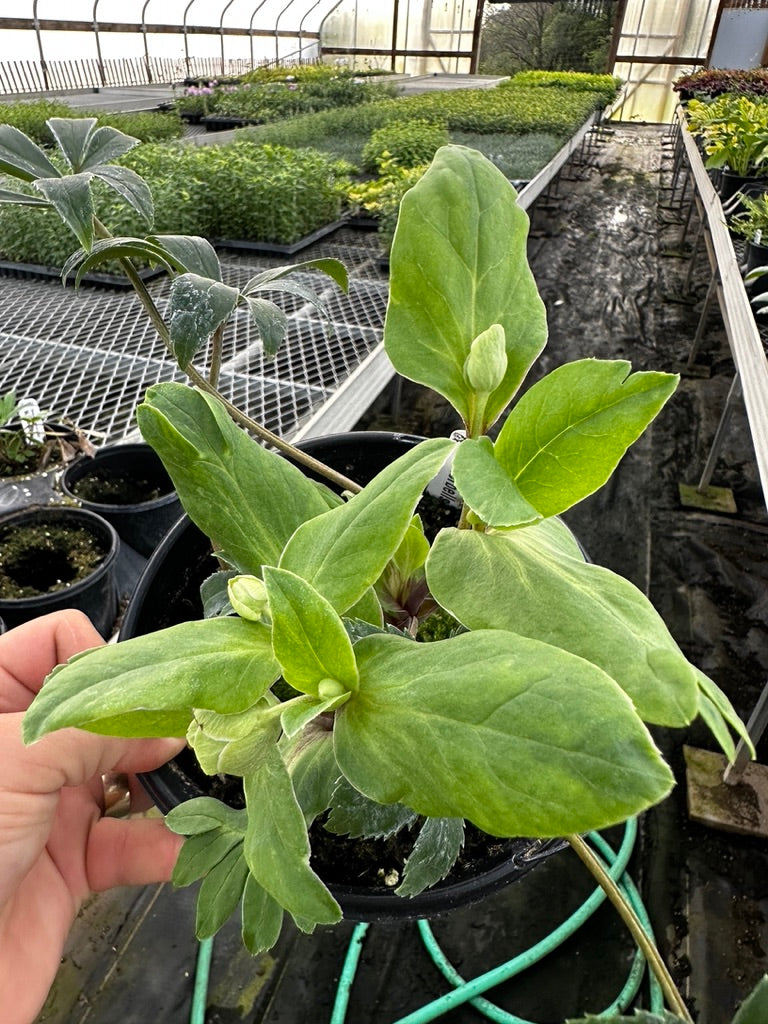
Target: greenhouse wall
419,26
655,44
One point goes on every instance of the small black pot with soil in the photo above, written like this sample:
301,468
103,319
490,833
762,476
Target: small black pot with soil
127,485
56,557
27,475
168,593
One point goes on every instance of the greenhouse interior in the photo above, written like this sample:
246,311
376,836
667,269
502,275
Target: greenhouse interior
320,317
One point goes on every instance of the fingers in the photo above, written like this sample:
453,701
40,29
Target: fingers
72,757
30,651
138,851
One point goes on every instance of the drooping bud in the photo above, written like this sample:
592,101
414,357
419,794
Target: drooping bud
486,364
248,596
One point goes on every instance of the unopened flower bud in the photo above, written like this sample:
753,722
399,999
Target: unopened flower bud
329,688
248,596
486,364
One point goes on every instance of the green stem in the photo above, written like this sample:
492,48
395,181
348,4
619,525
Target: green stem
216,355
209,386
639,934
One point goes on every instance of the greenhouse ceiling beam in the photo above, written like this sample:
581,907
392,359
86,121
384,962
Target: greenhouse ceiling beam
373,51
52,25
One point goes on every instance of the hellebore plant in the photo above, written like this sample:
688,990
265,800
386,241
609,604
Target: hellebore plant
297,685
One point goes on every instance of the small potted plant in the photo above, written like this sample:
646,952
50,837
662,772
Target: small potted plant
296,685
734,133
752,225
32,449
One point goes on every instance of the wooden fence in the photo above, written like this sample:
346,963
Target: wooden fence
29,77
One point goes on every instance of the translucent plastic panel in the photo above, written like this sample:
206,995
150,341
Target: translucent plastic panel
70,10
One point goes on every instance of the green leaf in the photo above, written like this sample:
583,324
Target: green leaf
207,456
21,198
190,253
458,266
277,845
487,488
71,196
754,1009
311,763
84,146
200,853
22,158
343,552
308,637
567,434
148,686
353,814
271,323
524,581
72,135
267,279
434,853
718,713
367,609
203,814
108,249
262,918
234,744
299,712
130,186
214,594
220,893
196,307
529,754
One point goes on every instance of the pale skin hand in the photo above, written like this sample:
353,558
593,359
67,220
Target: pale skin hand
55,845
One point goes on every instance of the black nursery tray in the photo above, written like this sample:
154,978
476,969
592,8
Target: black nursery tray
278,248
34,270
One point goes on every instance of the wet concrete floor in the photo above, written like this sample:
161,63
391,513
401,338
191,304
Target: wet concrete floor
612,266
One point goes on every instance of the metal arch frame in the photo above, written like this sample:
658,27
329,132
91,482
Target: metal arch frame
224,10
184,34
301,25
256,10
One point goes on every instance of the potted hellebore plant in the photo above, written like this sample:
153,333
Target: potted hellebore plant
297,685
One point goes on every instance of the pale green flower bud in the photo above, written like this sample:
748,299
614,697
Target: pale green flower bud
486,364
248,596
329,688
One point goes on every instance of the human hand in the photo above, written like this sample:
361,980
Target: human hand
56,846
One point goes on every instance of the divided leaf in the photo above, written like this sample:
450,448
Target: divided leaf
434,853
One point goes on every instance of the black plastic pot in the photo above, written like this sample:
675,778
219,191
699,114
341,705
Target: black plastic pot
96,595
168,592
140,523
37,487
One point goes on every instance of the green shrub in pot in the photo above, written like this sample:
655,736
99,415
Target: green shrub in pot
297,684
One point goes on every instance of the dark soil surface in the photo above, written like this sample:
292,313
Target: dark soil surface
42,558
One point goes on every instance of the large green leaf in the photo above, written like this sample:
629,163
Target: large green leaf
308,637
191,254
505,731
22,158
196,307
150,685
458,265
277,845
343,552
71,196
525,581
266,279
247,499
130,186
567,434
487,488
85,146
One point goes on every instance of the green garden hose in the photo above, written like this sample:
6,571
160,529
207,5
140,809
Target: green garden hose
472,991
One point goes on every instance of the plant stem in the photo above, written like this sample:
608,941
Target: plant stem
639,934
216,354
